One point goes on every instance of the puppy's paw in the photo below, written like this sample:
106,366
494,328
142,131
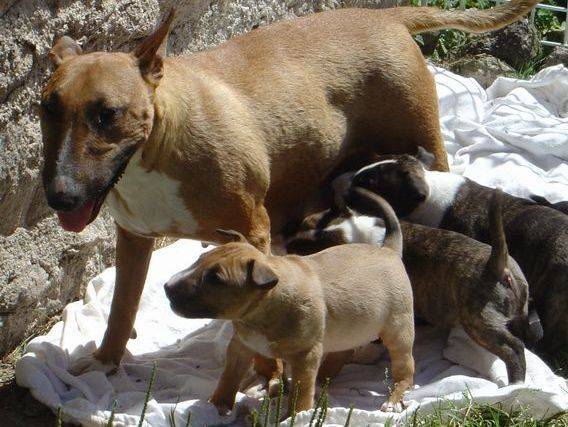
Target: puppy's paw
392,406
273,387
89,363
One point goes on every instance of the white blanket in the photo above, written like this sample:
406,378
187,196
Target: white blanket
514,136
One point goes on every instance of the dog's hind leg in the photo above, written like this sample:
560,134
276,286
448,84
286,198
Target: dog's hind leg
399,340
501,342
332,364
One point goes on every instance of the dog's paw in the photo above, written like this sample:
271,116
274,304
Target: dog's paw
392,407
89,363
224,408
273,387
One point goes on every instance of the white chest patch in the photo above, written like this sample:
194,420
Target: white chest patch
361,229
443,189
256,342
149,202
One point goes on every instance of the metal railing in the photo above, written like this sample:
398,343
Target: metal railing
560,9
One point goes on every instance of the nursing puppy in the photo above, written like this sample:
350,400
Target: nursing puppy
537,236
455,279
559,206
298,308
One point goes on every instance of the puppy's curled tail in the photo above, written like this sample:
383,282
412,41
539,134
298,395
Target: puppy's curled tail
420,19
368,203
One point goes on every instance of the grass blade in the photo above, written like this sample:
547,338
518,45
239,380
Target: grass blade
188,421
59,418
348,420
267,411
148,392
112,412
279,401
293,405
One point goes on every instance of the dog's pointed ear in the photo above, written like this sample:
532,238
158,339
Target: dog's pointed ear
425,157
151,52
232,235
64,48
261,275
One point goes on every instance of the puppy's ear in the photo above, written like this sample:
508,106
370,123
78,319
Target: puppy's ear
63,49
261,275
151,52
425,157
232,235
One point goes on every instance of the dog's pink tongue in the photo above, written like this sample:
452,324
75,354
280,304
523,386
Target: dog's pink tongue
76,220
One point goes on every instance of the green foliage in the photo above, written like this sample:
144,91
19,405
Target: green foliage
548,20
148,394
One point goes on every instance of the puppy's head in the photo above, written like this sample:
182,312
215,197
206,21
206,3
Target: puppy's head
398,179
319,231
96,110
224,283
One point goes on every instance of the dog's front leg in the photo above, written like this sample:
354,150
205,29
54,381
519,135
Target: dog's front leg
133,255
237,364
305,367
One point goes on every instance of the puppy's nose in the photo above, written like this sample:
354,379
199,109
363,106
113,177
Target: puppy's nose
173,289
63,194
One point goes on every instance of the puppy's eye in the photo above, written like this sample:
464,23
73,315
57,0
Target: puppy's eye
212,277
106,117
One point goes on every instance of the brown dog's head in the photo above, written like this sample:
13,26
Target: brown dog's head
96,110
398,179
223,283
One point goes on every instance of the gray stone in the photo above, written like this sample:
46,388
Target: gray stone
42,267
483,68
559,55
515,44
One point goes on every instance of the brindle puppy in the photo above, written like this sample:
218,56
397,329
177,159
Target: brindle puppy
559,206
537,236
455,279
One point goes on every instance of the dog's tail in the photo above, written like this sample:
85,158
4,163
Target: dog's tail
368,203
499,258
421,19
498,265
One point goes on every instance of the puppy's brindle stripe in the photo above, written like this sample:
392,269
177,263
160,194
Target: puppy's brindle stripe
537,236
240,136
454,278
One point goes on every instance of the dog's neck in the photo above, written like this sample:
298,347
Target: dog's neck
443,188
173,112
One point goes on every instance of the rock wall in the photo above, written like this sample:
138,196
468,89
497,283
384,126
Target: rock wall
42,267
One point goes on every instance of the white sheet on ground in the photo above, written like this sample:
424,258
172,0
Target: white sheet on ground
514,136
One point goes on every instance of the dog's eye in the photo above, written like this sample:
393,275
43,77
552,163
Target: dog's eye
211,277
49,106
106,117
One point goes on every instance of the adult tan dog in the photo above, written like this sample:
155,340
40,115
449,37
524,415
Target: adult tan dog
298,308
240,136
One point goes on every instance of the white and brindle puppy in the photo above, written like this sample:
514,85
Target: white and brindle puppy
537,235
240,136
299,308
455,279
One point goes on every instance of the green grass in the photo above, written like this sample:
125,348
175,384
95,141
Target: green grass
446,414
451,43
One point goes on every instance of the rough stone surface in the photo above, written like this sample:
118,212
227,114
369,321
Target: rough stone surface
483,68
42,267
515,44
559,55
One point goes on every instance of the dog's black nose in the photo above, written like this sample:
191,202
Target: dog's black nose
63,194
173,291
